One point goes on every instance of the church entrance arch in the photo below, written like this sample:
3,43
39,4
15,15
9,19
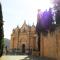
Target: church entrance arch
23,48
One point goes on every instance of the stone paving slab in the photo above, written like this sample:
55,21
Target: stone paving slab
23,57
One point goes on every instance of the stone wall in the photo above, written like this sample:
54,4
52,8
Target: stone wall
50,45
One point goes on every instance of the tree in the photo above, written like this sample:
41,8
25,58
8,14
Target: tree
58,18
44,23
1,32
38,26
57,11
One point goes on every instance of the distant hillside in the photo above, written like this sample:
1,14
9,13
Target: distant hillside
7,42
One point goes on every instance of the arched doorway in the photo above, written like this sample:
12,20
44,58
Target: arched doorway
23,48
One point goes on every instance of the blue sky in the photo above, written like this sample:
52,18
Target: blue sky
16,11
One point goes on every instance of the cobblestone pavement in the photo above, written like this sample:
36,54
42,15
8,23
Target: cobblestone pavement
23,57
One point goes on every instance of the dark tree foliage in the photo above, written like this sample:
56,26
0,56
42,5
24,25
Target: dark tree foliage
1,32
57,11
51,21
57,18
38,29
44,22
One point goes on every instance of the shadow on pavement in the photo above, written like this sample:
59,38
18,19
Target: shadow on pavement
37,58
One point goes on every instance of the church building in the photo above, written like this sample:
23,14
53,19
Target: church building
24,39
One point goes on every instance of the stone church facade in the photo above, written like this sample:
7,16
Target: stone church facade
24,38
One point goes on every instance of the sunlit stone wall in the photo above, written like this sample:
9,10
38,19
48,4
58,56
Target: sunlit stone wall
50,45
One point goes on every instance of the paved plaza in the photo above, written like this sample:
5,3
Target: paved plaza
23,57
